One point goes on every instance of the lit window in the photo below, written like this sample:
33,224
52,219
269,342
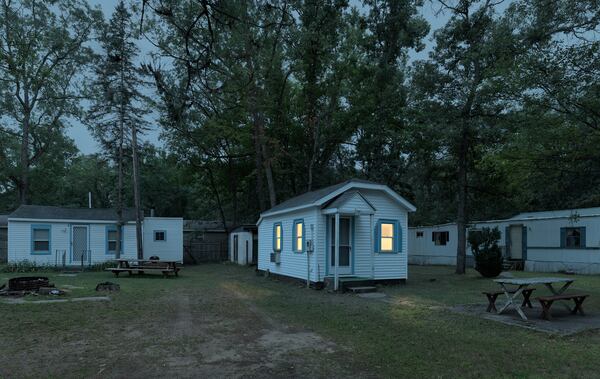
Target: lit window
277,235
387,237
298,236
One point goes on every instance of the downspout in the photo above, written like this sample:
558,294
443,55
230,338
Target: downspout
372,246
308,252
337,251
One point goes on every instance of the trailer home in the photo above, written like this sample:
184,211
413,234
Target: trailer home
550,241
354,229
48,235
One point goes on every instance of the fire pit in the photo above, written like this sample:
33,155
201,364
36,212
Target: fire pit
28,283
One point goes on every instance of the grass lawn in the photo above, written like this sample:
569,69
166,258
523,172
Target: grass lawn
221,320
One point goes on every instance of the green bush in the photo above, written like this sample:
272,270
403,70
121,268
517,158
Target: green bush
487,253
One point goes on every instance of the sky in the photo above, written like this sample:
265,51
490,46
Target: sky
87,145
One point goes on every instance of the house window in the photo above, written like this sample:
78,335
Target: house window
419,234
277,237
111,240
573,237
440,238
40,240
387,237
298,236
160,235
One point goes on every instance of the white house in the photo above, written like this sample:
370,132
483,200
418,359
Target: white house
243,245
551,241
49,235
360,224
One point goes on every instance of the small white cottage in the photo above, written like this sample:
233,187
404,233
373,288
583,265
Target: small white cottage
548,241
352,229
243,245
49,235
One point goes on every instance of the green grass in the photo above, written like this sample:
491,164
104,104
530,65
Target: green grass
413,336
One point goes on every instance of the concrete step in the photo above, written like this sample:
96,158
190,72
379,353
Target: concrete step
362,289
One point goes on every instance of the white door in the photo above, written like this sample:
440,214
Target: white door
79,243
516,242
345,266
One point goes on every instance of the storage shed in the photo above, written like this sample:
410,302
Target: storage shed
243,245
49,235
354,229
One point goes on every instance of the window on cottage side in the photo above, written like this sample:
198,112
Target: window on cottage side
299,233
387,236
41,240
112,240
419,234
277,245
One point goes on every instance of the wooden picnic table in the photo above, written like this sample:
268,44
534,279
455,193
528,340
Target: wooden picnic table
140,266
523,283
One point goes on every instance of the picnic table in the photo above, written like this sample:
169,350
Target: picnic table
523,284
140,266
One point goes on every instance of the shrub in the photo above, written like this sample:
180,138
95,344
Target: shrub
487,253
28,266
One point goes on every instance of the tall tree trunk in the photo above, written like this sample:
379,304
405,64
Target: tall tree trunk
24,159
461,219
136,192
120,222
258,165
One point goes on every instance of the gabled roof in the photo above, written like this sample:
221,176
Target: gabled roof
323,195
346,196
44,212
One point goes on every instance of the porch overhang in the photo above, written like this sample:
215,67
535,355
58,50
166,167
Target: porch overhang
347,212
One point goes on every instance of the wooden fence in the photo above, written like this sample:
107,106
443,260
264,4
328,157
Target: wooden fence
195,252
3,245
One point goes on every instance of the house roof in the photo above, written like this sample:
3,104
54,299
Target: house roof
44,212
323,195
346,196
541,215
3,221
581,212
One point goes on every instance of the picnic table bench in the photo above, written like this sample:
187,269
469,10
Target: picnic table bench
140,266
547,301
493,295
558,294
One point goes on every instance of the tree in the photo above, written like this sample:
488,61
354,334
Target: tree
117,112
460,87
42,56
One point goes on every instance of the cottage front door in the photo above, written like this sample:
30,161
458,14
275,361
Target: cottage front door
345,264
79,243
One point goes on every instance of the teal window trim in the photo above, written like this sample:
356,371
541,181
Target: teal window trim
295,237
111,228
164,232
397,237
41,227
564,236
275,225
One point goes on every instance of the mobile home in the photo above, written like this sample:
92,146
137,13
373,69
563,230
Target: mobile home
549,241
352,229
48,235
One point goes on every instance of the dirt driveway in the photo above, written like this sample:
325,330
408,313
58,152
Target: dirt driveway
155,328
